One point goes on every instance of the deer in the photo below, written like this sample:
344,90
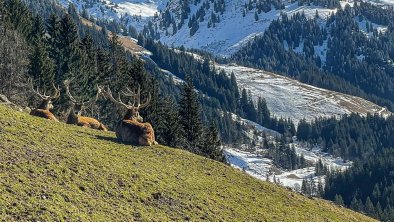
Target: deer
131,128
74,117
44,109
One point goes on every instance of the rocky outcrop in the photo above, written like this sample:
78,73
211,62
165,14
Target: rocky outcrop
4,99
136,133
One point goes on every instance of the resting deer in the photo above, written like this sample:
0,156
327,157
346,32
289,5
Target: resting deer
74,117
43,110
131,128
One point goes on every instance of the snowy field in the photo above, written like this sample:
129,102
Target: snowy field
289,98
262,168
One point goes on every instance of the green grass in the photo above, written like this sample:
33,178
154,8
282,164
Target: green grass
56,172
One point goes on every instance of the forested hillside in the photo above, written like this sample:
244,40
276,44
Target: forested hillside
367,186
58,48
351,52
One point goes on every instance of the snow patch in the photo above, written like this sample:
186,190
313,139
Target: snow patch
290,98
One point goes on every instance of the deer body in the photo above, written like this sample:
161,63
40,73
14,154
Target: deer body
43,110
74,117
134,132
44,114
86,122
132,129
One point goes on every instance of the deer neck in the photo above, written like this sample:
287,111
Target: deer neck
132,115
129,115
72,117
43,105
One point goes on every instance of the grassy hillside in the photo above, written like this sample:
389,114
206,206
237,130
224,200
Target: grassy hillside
55,172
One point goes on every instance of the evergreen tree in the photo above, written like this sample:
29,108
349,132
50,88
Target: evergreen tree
168,128
338,200
369,208
41,67
69,47
212,146
189,111
263,113
53,27
356,205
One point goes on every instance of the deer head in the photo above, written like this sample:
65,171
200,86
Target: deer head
133,105
80,105
46,103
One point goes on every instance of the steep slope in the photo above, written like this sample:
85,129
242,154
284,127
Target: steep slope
221,27
287,97
52,171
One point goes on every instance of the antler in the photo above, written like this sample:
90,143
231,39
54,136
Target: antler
57,91
67,85
83,103
119,102
43,96
136,96
139,105
92,101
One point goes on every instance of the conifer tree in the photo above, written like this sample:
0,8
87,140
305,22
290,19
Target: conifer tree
69,48
41,67
338,200
369,208
189,111
53,28
168,127
263,114
212,146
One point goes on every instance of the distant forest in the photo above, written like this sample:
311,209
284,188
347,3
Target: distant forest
358,61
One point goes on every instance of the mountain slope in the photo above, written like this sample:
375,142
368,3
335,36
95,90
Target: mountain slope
52,171
290,98
221,31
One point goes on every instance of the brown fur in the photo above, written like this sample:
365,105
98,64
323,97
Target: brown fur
136,133
44,114
91,123
87,122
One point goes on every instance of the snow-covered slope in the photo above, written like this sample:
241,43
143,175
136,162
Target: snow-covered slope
129,12
264,169
234,30
236,27
287,97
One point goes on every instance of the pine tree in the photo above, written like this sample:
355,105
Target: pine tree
263,113
168,127
369,208
305,189
320,189
338,200
212,146
189,111
355,204
53,27
41,67
69,48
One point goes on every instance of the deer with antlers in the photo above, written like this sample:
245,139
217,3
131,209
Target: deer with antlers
74,117
43,110
131,128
